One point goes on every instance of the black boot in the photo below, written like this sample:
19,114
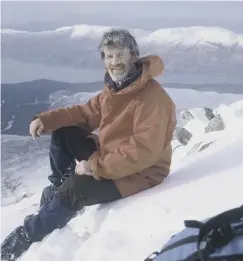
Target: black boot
15,244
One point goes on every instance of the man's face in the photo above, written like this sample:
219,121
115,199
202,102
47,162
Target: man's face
118,62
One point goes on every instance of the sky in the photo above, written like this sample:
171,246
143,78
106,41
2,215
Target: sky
44,15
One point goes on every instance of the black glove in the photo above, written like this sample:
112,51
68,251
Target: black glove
70,192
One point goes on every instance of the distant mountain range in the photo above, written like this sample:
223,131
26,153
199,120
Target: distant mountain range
196,49
21,101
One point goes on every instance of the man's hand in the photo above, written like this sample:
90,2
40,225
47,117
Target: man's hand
82,168
36,128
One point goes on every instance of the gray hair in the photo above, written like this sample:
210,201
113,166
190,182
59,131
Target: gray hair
121,38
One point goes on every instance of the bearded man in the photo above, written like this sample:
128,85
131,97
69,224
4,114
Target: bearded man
135,119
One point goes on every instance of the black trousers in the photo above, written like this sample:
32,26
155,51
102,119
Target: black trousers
67,144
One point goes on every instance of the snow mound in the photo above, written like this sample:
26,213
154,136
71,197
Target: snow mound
196,35
132,228
201,127
83,30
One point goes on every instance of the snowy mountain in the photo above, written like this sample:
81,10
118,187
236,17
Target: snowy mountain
184,50
50,60
202,183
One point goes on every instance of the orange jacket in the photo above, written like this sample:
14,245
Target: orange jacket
135,125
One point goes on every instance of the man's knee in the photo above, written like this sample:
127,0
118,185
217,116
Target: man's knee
47,194
65,133
59,134
71,192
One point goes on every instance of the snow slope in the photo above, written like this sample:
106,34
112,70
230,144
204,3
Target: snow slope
200,185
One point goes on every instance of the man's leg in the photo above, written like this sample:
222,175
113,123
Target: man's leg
75,193
68,144
47,194
84,190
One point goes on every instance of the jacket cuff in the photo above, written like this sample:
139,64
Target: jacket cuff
93,164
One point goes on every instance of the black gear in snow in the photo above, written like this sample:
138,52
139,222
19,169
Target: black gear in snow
15,244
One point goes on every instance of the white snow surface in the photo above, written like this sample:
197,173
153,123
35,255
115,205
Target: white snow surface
9,125
200,185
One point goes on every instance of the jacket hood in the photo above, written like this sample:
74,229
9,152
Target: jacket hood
153,65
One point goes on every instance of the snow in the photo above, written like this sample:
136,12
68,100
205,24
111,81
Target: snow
23,163
196,35
201,184
197,99
9,125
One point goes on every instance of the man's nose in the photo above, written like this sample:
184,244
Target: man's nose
115,60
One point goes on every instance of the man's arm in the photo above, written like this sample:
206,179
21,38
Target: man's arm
154,123
86,116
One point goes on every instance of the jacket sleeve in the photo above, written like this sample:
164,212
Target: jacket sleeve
154,123
86,116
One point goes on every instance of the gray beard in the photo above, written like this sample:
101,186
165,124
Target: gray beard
119,82
116,79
